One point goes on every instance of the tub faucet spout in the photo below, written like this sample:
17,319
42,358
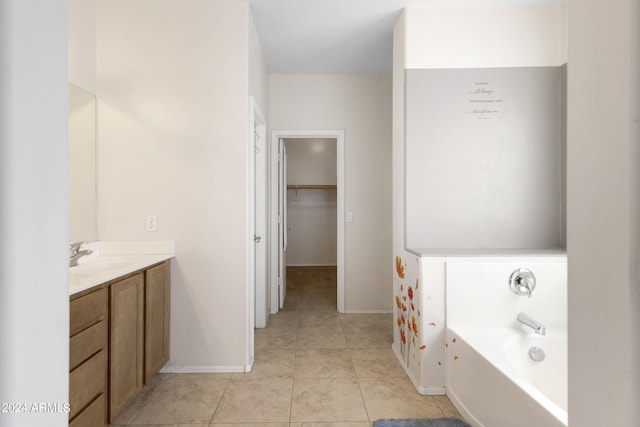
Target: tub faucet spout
537,327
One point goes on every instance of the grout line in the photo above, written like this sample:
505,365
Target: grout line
355,372
220,400
293,373
145,402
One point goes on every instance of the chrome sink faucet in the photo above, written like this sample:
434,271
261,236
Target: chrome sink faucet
537,327
75,253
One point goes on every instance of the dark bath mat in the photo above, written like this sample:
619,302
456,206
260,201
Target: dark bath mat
422,422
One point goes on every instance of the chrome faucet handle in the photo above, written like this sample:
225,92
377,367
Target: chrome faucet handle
75,247
522,282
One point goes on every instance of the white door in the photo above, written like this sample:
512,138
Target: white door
282,224
260,226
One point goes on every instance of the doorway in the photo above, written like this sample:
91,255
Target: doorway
279,220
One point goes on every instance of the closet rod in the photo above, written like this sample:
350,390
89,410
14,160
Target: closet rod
312,187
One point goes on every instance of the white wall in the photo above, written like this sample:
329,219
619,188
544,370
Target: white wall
82,44
361,105
82,165
258,75
399,53
602,213
311,161
312,227
478,37
34,324
82,52
173,87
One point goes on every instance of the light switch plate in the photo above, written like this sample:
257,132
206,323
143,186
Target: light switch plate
152,223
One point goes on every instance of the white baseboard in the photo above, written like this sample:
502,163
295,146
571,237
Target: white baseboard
200,369
427,391
374,311
311,265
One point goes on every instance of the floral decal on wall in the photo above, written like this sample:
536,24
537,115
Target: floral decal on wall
446,345
407,316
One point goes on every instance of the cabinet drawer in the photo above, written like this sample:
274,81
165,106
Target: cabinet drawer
94,415
86,382
87,343
88,309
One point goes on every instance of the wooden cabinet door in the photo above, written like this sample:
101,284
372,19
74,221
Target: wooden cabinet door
126,342
156,319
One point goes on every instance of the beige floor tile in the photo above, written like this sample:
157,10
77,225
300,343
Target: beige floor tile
396,398
333,424
255,400
172,425
380,363
321,338
327,399
317,290
327,280
293,299
184,398
323,363
304,274
213,424
275,338
308,340
368,337
141,399
373,320
327,302
447,407
319,319
283,320
270,363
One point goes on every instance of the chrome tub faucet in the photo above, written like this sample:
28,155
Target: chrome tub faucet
75,253
537,327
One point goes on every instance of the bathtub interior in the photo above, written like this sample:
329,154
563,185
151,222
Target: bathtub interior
487,391
482,311
548,376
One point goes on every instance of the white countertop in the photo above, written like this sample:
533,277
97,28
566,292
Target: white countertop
111,260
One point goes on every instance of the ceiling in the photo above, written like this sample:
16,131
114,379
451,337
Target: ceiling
340,36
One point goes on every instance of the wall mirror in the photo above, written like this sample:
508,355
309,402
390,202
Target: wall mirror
82,165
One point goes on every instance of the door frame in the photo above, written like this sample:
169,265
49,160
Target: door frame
282,231
253,296
338,135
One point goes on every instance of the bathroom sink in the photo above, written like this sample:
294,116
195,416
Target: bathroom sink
93,265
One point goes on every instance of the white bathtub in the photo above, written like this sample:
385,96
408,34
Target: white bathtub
490,376
494,383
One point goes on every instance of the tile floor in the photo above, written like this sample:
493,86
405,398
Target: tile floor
313,368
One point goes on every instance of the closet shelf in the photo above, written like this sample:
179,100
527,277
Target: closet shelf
311,187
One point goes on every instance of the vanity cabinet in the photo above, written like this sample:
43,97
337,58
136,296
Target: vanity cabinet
88,359
156,319
126,342
119,341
